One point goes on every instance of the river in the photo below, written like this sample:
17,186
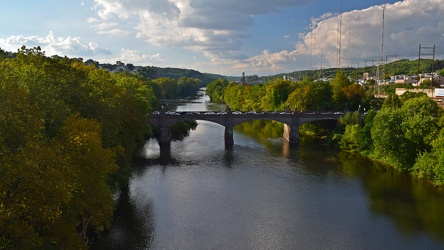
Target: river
265,195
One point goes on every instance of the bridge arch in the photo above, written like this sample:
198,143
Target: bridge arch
291,122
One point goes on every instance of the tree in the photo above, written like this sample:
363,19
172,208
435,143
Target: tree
350,141
355,95
170,88
90,164
365,137
36,188
215,90
420,122
338,84
311,95
188,86
392,101
430,165
276,94
389,141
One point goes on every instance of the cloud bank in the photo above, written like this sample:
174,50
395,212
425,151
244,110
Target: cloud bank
407,24
72,46
218,29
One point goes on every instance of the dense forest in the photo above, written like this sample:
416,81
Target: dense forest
406,133
68,132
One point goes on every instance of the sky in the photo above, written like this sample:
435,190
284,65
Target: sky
228,37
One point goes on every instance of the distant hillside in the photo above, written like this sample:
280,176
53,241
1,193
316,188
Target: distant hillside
399,67
153,72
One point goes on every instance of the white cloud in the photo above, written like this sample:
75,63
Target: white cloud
217,28
70,46
406,25
138,58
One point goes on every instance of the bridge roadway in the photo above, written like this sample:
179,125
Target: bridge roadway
291,121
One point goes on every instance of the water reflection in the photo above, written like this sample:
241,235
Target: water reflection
415,207
132,228
262,194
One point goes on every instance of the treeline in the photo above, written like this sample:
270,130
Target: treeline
153,72
305,95
407,132
68,132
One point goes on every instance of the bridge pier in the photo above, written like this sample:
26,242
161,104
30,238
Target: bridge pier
291,121
165,135
291,134
228,135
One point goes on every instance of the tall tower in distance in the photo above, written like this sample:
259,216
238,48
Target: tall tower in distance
243,78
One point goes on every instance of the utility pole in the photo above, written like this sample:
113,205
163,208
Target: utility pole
386,63
340,37
381,59
432,53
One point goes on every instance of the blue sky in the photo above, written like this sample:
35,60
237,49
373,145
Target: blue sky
226,37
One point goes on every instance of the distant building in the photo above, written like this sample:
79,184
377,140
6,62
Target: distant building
405,79
368,76
438,81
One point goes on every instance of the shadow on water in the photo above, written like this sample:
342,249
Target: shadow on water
131,229
414,206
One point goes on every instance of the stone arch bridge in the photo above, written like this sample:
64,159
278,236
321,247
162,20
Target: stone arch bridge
292,121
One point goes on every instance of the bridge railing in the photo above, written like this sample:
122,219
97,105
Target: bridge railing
191,113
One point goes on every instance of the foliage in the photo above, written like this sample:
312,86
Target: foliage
392,101
354,95
389,141
215,90
276,94
365,137
430,165
350,118
67,133
170,88
311,96
339,85
350,141
401,134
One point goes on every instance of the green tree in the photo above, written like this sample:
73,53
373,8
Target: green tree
392,101
365,137
338,84
188,86
311,96
215,90
350,141
169,86
91,206
389,141
420,121
430,165
276,94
